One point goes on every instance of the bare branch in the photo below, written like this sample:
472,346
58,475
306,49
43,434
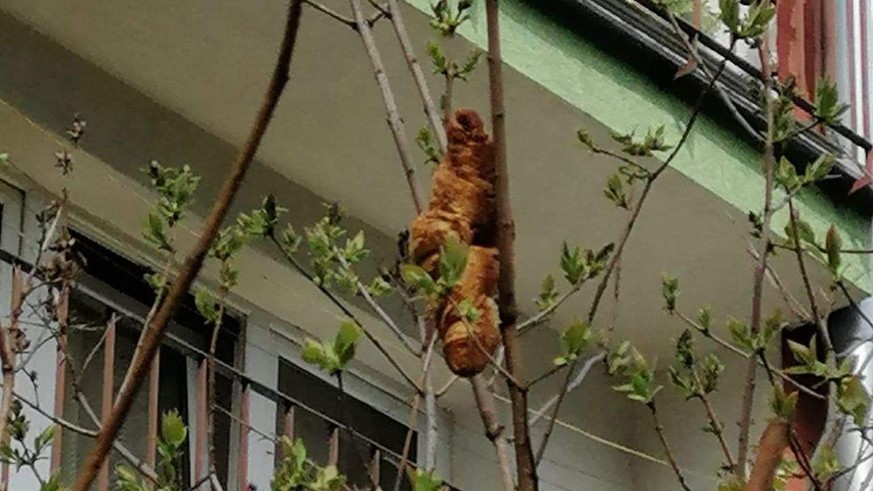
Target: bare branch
417,74
407,443
331,13
526,469
768,164
493,429
659,428
395,122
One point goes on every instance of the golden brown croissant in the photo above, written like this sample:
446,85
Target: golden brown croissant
462,206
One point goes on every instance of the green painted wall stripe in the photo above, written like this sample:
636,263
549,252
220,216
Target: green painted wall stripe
623,99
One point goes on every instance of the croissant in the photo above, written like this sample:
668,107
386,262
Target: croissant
462,207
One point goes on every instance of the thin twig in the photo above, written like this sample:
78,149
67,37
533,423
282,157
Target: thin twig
542,315
715,424
395,122
407,443
140,365
817,317
659,428
430,408
417,74
210,386
448,385
768,164
331,13
493,429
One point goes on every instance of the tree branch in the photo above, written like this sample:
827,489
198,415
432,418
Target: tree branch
524,458
395,122
433,116
141,364
768,164
493,429
659,428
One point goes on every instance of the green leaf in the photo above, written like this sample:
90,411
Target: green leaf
206,305
548,294
711,369
670,291
153,231
741,334
786,175
417,278
379,287
425,143
572,264
575,339
43,439
802,353
173,430
469,64
585,139
437,58
853,400
53,483
614,190
730,14
704,319
641,387
783,404
354,250
685,349
819,169
826,463
828,108
127,480
468,310
346,341
684,383
426,481
453,261
312,352
290,240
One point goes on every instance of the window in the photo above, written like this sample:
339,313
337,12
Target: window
106,315
319,414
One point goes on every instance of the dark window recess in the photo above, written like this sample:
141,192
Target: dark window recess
322,404
122,282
